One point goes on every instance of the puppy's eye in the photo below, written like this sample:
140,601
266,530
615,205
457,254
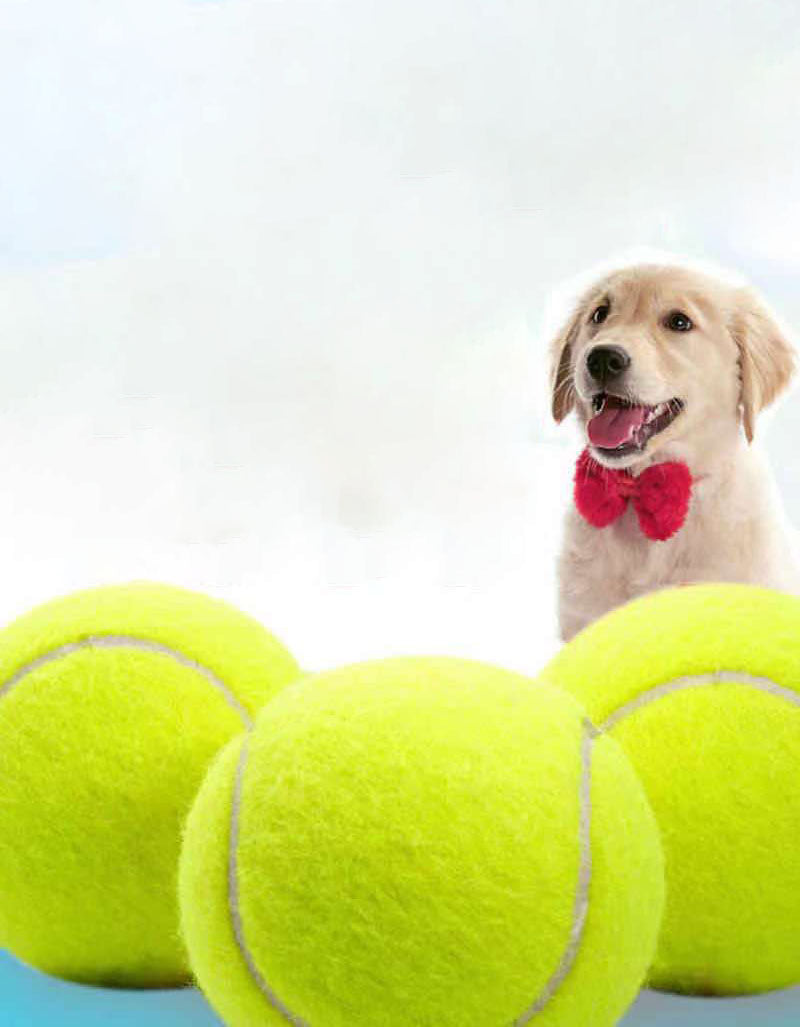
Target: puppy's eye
677,321
600,314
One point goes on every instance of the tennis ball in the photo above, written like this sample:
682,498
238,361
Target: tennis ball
701,687
421,841
113,702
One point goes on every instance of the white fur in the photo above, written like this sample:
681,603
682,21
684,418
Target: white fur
735,362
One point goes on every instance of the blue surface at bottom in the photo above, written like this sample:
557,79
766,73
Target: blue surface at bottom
29,999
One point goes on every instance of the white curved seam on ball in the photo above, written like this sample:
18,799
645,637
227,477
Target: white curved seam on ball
715,677
233,898
129,642
580,908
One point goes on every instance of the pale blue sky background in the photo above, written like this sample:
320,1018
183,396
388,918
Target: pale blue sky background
31,1000
274,287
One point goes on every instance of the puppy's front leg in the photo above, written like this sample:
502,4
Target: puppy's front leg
590,581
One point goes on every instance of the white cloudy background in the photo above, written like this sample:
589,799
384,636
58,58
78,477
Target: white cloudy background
274,280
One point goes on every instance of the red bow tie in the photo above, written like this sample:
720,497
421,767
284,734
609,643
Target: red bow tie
660,495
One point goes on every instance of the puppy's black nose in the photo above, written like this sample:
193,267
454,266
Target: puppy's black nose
607,362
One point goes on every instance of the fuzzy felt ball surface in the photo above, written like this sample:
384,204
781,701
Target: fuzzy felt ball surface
701,686
113,702
425,843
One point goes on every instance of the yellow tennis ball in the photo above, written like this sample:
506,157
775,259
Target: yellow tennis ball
701,687
113,702
420,841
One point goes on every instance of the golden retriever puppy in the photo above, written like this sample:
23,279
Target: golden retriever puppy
668,366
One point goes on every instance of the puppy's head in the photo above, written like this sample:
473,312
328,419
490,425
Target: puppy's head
655,354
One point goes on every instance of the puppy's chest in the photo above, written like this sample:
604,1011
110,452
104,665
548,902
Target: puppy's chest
625,551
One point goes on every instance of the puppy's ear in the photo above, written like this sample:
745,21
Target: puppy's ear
562,386
766,358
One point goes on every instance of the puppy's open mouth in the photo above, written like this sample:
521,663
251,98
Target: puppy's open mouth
620,427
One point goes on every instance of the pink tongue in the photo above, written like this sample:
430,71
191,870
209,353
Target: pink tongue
615,425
